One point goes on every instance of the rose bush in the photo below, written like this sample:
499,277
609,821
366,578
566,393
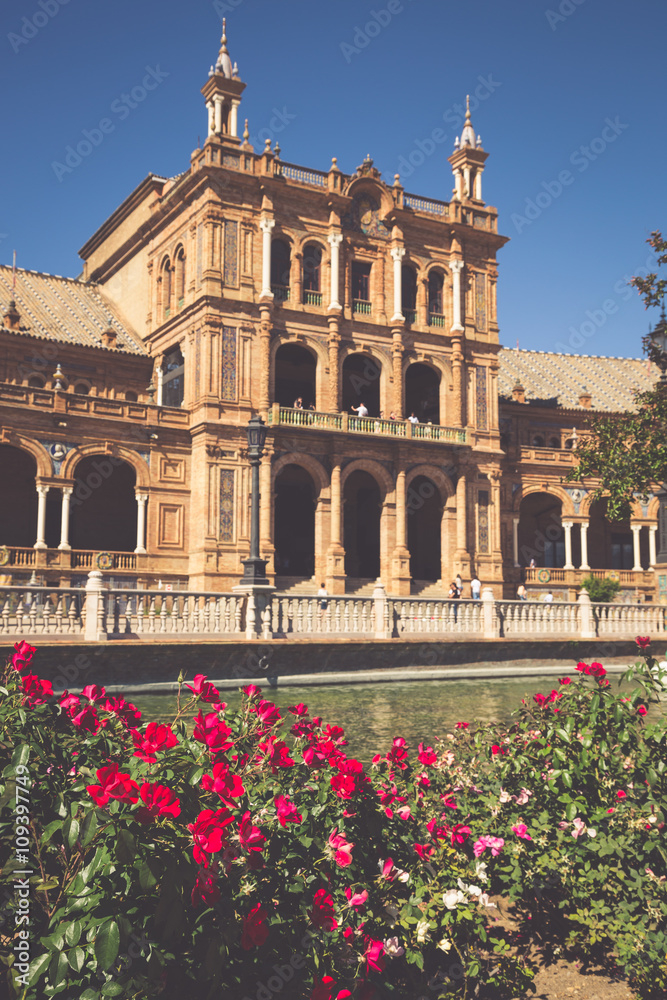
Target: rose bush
247,856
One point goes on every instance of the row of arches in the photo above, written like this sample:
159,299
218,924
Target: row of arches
312,257
103,505
296,383
296,496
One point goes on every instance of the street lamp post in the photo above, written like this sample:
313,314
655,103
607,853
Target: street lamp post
254,568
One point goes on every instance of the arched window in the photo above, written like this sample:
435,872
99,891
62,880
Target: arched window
409,293
280,270
436,310
36,382
81,388
312,269
164,290
180,278
554,442
173,379
131,396
538,441
361,287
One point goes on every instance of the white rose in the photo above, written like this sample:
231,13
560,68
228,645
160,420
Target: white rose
444,944
422,931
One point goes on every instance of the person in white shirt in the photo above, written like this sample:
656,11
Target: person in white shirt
548,598
475,588
322,598
361,410
413,418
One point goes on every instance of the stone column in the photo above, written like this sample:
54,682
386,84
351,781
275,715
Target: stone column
264,358
218,115
266,545
336,552
636,528
142,500
397,369
515,540
496,547
64,519
234,119
160,385
401,556
567,528
335,240
652,531
457,380
266,225
583,528
462,556
456,268
211,118
41,517
334,361
398,253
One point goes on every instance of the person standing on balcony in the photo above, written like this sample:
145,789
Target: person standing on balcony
548,597
413,418
475,588
298,403
361,410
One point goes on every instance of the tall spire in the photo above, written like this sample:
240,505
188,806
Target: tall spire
467,161
468,137
224,64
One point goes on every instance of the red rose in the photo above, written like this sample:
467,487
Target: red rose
255,931
322,913
158,801
643,641
23,655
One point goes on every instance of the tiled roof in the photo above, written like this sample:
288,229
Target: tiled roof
64,309
559,379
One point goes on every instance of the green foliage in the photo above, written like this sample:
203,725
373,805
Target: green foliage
381,878
603,591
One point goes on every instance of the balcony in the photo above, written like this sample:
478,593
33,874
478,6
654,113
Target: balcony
641,579
436,319
280,293
285,416
83,560
410,316
361,307
312,298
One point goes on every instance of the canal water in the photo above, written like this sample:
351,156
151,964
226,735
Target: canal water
372,714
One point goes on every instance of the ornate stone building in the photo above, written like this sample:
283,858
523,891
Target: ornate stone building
360,321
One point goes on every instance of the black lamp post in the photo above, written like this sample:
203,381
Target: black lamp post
254,568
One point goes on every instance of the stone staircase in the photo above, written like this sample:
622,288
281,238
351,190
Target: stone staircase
297,586
429,590
360,587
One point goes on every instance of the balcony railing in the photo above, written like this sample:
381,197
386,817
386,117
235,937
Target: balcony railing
18,558
312,298
280,293
436,319
410,316
286,416
362,306
573,577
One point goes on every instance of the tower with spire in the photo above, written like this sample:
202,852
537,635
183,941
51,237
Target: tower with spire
222,93
467,162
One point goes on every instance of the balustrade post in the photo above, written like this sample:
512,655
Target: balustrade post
95,612
489,620
41,517
586,618
380,609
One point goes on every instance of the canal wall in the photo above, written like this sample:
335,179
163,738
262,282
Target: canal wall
157,666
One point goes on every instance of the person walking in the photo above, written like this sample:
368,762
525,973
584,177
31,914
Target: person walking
454,595
548,597
475,588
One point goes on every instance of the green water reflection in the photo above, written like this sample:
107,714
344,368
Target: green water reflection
372,714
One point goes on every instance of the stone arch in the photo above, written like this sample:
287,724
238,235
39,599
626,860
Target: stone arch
38,452
436,475
307,462
653,508
320,356
366,377
375,469
567,507
76,455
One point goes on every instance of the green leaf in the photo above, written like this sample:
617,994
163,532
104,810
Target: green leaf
50,829
107,942
147,879
73,932
21,755
88,827
125,847
194,775
112,990
89,995
91,868
77,958
58,968
71,832
38,967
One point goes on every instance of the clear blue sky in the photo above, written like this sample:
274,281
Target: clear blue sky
555,71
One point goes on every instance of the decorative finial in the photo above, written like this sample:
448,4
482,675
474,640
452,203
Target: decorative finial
277,151
223,40
58,376
457,142
479,142
246,133
267,145
467,105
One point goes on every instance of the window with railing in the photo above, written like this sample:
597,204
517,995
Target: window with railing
361,284
436,284
312,272
280,270
409,293
173,378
